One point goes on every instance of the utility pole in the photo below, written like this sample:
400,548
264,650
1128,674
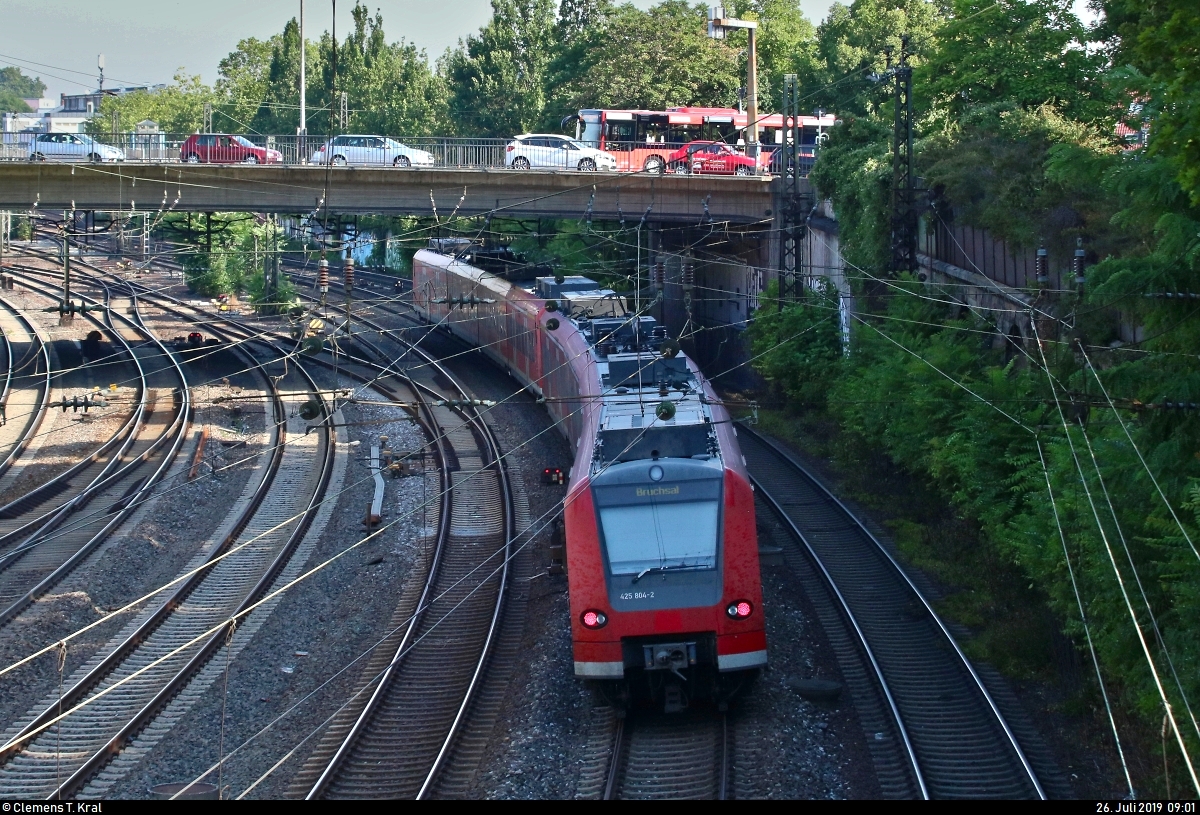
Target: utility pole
66,248
303,129
794,206
718,26
100,65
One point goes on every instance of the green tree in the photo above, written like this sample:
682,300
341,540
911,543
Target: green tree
852,44
243,80
390,87
16,87
1029,54
650,59
497,79
798,348
1161,40
177,108
786,44
278,107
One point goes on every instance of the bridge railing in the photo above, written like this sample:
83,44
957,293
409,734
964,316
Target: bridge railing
370,150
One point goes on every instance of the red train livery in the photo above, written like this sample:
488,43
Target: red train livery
661,548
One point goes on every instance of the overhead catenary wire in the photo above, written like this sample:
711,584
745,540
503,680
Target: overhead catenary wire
1168,709
1084,620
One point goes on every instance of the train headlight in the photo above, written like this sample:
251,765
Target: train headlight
593,619
739,609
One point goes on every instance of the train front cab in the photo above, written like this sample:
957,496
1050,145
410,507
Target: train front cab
666,602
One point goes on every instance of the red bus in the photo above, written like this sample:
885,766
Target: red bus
642,139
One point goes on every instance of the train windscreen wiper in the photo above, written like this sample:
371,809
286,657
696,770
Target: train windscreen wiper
677,567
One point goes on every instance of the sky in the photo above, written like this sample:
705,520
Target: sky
146,41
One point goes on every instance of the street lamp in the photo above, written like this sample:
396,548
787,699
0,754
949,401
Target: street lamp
718,26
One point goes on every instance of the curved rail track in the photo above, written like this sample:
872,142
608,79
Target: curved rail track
397,737
122,690
27,387
947,736
44,550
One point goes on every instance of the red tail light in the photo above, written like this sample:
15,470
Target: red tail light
593,619
739,609
509,149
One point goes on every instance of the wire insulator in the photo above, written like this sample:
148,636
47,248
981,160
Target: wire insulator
1077,263
323,276
660,276
1041,266
689,277
348,274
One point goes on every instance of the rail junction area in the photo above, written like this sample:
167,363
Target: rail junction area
318,554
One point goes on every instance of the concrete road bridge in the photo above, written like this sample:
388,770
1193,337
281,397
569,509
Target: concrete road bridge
693,199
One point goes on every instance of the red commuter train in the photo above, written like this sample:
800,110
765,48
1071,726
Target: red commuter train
661,548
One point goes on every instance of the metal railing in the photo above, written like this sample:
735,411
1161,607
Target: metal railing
380,151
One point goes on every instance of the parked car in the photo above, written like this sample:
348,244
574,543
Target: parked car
222,148
555,152
72,147
371,150
714,158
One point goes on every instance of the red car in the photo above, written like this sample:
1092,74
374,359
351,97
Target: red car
221,148
714,158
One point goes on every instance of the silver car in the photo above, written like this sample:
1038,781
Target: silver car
545,151
343,150
72,147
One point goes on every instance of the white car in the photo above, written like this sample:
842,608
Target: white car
371,150
546,151
72,147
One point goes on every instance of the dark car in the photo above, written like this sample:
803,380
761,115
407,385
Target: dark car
714,158
222,148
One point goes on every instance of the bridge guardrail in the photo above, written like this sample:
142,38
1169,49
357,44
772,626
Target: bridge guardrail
351,150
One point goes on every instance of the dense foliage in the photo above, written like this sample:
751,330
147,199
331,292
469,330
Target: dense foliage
16,87
1017,104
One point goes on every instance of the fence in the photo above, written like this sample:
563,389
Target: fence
978,251
537,152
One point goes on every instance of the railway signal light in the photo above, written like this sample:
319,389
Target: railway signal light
739,609
553,475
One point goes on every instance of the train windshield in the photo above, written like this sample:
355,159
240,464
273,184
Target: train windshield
656,535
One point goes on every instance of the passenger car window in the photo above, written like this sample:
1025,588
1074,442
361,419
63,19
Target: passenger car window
206,141
340,141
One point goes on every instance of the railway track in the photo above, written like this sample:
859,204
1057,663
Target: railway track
396,740
156,657
26,390
938,731
422,683
96,496
643,756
